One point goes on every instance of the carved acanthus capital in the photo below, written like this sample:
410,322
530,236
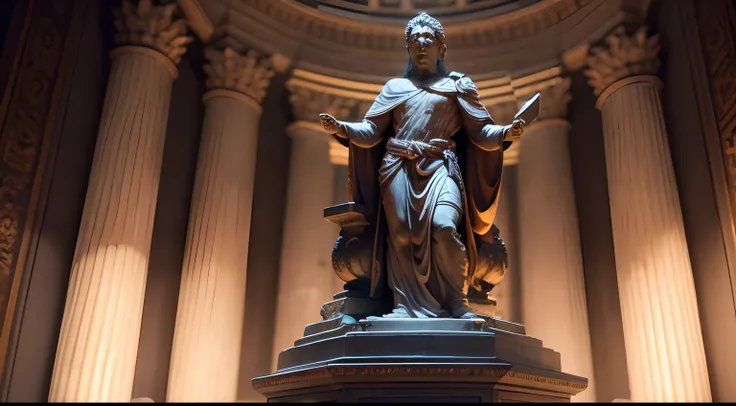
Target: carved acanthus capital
152,26
502,113
622,57
246,72
555,98
308,102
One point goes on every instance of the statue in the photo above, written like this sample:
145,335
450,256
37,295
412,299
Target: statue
425,175
417,242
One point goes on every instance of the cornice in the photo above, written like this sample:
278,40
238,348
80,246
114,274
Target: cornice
323,42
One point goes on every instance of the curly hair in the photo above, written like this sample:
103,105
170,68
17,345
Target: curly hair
425,20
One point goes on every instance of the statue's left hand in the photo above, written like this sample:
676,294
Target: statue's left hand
516,129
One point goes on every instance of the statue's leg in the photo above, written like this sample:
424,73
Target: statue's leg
449,255
411,297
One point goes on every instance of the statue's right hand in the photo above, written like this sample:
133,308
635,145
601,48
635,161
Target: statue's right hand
332,126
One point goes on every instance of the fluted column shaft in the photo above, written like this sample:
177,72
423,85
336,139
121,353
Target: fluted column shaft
98,342
664,345
552,282
209,321
306,278
205,355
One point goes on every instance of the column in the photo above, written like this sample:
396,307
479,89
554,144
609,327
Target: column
553,306
205,356
98,341
506,293
306,277
340,157
664,346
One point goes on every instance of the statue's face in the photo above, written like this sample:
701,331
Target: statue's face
424,49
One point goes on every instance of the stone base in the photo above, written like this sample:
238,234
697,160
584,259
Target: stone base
483,307
427,360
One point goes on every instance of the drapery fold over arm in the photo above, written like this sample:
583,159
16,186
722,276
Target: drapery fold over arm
369,132
478,124
484,134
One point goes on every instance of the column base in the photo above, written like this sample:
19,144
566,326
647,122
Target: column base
407,360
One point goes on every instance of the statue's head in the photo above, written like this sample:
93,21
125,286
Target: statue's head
425,42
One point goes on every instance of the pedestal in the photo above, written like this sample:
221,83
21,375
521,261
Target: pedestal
415,360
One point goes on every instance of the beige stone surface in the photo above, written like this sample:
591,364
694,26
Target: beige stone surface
552,281
98,341
664,345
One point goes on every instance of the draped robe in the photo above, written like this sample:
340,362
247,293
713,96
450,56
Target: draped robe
402,195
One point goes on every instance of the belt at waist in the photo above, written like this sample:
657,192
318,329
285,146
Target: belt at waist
416,149
436,148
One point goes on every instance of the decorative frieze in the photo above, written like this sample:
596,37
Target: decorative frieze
324,27
152,25
246,72
622,56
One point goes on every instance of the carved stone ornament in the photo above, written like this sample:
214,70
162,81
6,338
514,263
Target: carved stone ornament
555,99
308,103
248,73
502,113
622,57
298,21
153,26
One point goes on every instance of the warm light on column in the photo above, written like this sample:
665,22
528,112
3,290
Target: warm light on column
98,340
205,356
664,346
306,277
553,296
306,280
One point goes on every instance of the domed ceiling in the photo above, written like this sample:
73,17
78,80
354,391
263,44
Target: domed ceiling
401,10
363,39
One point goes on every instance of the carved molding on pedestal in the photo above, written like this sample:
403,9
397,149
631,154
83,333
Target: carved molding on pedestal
622,56
153,26
246,72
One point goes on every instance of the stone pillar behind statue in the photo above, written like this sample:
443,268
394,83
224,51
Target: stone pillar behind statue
552,284
664,346
205,355
98,341
306,278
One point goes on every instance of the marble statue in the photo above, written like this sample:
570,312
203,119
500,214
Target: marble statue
425,172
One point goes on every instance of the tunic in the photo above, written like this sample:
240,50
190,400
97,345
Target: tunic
427,263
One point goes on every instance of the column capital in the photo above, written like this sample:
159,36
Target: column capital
502,112
309,101
555,98
248,72
153,25
312,93
621,57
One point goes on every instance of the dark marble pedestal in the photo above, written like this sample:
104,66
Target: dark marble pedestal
399,360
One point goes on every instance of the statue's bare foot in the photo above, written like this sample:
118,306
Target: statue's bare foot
463,312
469,316
397,313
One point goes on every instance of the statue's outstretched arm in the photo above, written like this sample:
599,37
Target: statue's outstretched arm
364,134
485,134
368,132
478,124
